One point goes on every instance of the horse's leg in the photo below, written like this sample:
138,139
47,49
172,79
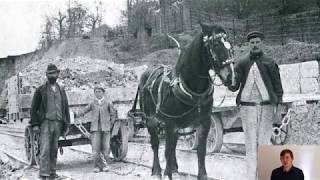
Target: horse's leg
153,131
170,149
202,147
175,164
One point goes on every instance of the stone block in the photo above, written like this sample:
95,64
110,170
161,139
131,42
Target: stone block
289,71
291,85
309,85
309,69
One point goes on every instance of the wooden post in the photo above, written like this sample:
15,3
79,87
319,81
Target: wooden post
282,29
247,26
234,31
262,23
190,18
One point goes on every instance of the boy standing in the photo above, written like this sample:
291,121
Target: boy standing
102,118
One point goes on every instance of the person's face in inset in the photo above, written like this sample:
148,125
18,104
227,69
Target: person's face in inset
255,45
52,77
286,160
98,93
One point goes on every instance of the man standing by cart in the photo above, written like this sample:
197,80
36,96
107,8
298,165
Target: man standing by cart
49,117
258,78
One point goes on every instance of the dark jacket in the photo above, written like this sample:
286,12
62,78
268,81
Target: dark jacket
269,72
293,174
39,106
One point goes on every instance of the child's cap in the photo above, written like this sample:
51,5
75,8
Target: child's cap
98,86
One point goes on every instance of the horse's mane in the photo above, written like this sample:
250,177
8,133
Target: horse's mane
191,52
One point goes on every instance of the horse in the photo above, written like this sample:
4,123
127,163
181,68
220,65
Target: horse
183,97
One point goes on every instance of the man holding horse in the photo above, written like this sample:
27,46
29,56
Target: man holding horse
260,92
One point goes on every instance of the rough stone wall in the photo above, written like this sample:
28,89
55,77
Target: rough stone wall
7,69
22,61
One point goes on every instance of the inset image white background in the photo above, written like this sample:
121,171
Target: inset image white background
306,158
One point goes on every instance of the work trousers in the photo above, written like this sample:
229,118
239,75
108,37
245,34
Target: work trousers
257,125
100,147
50,132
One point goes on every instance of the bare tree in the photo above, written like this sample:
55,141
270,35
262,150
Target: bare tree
76,19
164,10
60,20
95,19
47,35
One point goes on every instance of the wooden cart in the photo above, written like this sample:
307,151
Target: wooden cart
78,132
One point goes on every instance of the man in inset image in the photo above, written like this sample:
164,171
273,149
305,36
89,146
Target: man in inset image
287,171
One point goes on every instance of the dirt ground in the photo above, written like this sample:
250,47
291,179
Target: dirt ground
80,166
305,125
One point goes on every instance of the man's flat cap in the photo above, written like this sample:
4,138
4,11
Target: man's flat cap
254,34
52,69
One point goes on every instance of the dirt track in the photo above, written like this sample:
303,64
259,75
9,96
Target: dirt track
79,165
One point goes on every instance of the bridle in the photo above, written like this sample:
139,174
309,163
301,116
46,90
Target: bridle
213,60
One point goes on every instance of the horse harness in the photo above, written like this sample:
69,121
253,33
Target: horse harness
179,90
178,86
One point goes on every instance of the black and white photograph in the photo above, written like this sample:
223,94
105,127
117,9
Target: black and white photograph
159,89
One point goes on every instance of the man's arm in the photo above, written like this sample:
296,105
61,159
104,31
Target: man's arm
238,75
112,111
301,175
67,111
273,177
34,112
83,111
276,81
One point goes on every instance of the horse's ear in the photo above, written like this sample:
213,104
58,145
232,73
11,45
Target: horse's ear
218,29
206,28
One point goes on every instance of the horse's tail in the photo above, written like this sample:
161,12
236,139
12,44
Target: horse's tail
177,43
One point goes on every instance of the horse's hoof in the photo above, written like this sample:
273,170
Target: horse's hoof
203,178
156,177
175,176
166,178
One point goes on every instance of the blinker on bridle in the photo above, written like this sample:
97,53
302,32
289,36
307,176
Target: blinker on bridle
208,41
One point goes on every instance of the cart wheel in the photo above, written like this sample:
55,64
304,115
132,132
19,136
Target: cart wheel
282,138
131,129
215,136
32,146
119,144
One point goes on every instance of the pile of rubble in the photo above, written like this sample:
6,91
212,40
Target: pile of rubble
82,73
8,169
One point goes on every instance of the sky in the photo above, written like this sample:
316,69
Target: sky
21,21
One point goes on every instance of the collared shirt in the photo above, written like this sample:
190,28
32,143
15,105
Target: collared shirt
254,89
54,106
293,174
100,103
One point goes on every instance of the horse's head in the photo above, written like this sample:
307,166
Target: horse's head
219,51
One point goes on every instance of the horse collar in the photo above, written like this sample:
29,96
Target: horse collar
191,93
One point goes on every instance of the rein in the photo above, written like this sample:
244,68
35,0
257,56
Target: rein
208,44
157,102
